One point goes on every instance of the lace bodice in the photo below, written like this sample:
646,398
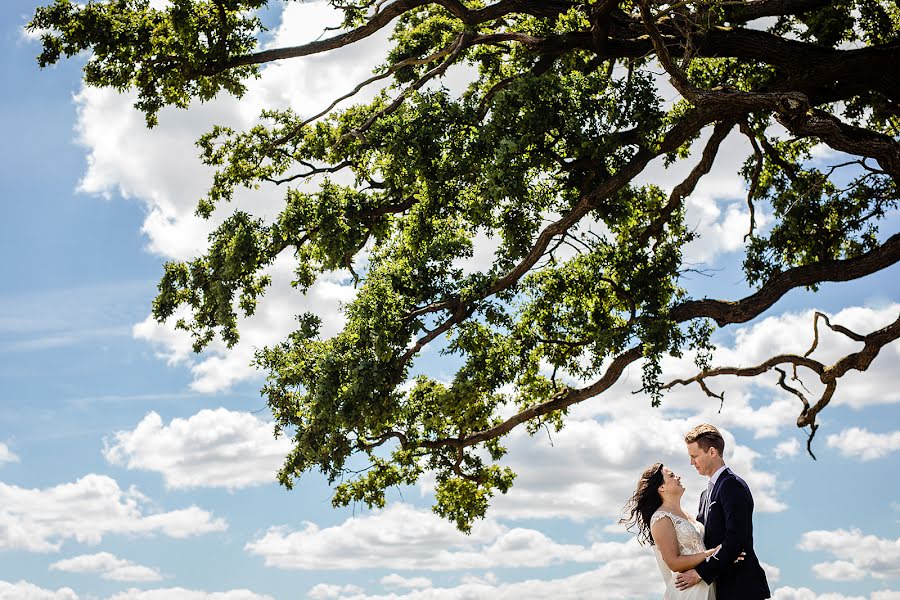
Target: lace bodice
690,541
688,531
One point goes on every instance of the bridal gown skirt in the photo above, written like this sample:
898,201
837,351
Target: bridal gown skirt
690,541
701,591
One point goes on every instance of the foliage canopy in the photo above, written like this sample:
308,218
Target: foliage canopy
563,110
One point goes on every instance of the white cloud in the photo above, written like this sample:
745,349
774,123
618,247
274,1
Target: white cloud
624,578
793,333
403,537
24,590
7,455
186,594
326,591
39,520
791,593
592,467
108,566
398,581
213,448
787,448
839,570
720,226
864,444
858,555
220,367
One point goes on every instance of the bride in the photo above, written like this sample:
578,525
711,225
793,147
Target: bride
677,539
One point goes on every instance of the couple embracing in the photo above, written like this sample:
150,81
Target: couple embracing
710,557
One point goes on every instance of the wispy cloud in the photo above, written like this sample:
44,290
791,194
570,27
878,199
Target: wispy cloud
65,317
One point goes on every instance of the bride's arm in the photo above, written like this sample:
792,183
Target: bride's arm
664,537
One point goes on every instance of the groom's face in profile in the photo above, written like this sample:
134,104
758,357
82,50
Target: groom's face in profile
702,461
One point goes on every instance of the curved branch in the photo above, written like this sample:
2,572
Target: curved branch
828,375
378,21
383,17
724,312
754,177
846,138
686,187
561,401
838,328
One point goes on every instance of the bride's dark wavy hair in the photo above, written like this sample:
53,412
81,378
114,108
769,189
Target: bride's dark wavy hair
644,502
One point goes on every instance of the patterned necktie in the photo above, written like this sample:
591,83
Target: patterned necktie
709,489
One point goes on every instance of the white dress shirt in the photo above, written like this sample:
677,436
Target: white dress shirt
715,477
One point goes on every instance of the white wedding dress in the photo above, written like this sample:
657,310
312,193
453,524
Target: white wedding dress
690,541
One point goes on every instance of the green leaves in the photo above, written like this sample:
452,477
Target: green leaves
169,56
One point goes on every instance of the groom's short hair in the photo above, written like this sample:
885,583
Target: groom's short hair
706,436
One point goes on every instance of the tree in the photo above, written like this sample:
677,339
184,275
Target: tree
563,110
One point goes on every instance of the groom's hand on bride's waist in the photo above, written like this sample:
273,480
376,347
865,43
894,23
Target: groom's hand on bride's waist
687,579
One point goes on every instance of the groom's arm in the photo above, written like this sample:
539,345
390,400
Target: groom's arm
737,506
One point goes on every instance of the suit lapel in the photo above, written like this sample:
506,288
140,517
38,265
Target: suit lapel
714,496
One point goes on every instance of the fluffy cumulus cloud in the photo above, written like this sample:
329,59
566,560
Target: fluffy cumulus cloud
186,594
213,448
792,593
39,520
403,537
858,555
327,591
717,209
7,455
398,581
23,590
108,566
863,444
794,333
618,579
589,469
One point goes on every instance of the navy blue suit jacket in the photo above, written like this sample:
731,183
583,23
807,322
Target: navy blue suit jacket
730,523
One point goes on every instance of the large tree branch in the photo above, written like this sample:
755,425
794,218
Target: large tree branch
846,138
382,18
755,9
725,312
687,186
561,401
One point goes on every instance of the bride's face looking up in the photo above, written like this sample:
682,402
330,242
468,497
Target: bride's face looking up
671,487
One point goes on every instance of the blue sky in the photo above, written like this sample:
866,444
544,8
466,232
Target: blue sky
130,468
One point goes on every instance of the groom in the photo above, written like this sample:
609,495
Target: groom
726,509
